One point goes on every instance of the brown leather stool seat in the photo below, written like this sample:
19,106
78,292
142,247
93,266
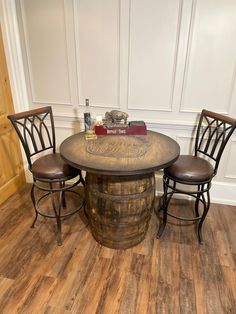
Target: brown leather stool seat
191,169
52,166
213,133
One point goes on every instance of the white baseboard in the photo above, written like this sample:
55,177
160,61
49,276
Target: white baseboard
223,193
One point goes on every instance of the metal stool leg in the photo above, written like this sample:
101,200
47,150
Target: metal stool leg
82,180
34,202
197,201
206,208
62,185
57,215
165,201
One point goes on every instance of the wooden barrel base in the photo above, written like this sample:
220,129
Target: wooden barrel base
119,208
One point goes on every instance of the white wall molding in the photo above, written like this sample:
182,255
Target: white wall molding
170,124
78,48
132,87
41,50
231,98
68,49
47,102
193,89
223,193
168,108
230,169
186,66
13,53
11,38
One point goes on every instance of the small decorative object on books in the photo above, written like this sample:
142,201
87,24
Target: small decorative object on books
116,117
115,123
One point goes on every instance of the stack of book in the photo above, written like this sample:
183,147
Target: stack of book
133,128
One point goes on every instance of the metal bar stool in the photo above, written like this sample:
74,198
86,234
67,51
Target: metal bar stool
50,172
213,133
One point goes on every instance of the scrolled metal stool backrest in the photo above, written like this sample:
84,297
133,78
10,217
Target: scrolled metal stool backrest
36,135
213,133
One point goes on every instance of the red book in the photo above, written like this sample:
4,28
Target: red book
129,130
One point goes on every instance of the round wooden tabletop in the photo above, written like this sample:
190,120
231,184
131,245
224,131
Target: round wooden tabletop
120,154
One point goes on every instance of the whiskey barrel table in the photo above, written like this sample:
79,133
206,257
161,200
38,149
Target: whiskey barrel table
120,183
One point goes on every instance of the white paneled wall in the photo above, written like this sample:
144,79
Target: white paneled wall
46,48
160,61
230,168
97,30
153,47
211,57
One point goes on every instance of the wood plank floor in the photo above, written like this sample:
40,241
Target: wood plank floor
171,275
